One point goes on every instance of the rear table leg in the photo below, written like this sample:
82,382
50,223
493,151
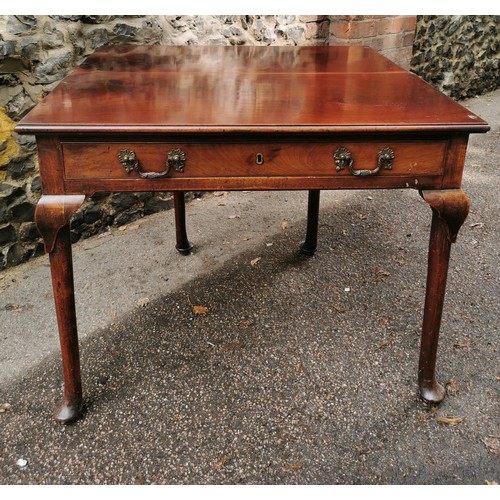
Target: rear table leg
449,211
310,244
183,245
52,216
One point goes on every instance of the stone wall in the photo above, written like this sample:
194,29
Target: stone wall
459,55
36,52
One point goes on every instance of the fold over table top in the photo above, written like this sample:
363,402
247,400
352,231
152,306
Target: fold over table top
214,89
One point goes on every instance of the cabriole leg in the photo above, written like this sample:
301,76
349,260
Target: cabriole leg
449,211
52,216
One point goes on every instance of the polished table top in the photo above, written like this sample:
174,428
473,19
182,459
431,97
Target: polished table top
147,89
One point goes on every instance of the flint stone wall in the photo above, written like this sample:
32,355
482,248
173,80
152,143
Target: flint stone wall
459,54
36,52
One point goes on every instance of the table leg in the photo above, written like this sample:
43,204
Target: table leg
311,242
183,245
449,211
52,216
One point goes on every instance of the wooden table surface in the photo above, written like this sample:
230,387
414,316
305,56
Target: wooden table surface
239,88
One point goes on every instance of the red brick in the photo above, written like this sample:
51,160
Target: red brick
410,23
408,39
392,41
396,24
353,29
363,29
343,18
317,30
340,29
323,29
340,41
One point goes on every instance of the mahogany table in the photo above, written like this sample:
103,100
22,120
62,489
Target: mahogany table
178,118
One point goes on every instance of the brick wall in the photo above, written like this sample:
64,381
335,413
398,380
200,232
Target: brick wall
391,35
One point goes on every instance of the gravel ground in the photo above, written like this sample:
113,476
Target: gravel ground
302,369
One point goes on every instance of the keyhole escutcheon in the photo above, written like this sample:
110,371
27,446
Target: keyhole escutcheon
259,159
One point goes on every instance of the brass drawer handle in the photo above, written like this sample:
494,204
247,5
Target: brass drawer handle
343,158
176,159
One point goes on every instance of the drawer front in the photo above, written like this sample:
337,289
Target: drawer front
273,159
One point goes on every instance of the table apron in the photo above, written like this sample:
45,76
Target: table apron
98,166
251,184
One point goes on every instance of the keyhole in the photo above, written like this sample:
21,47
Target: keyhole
259,159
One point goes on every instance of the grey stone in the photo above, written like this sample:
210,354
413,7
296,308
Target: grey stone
295,33
30,50
74,236
38,250
5,214
179,23
19,105
28,231
16,254
77,219
246,21
157,204
67,18
98,38
7,234
97,19
91,231
19,169
8,80
55,68
12,65
53,40
23,212
99,196
36,185
232,31
77,40
7,48
227,19
28,142
9,192
122,201
150,33
263,33
17,25
145,195
285,19
92,214
125,30
127,218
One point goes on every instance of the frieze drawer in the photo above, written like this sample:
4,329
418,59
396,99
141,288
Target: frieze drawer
113,160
